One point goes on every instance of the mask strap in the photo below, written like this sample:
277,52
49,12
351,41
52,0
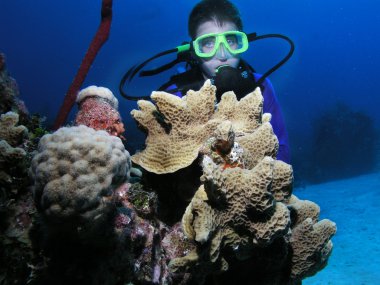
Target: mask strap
131,73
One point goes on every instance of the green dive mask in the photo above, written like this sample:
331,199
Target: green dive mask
234,42
207,45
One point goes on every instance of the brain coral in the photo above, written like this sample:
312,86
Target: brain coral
75,172
178,127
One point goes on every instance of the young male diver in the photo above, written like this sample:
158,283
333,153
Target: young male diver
214,53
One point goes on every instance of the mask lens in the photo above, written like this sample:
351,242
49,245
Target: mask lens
206,46
236,42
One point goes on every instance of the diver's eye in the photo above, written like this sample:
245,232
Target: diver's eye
208,43
232,41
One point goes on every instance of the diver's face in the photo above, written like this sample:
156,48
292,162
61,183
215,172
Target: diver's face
222,56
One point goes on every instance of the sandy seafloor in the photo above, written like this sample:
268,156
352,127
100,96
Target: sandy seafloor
354,205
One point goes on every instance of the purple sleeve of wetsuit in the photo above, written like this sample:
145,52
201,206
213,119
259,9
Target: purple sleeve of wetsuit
272,106
172,87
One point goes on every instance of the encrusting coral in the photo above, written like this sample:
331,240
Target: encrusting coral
75,172
98,109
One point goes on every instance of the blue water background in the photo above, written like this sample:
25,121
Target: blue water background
336,58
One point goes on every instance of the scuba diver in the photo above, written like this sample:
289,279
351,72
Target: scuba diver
218,41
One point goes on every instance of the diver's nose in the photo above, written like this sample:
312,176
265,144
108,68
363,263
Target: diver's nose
222,54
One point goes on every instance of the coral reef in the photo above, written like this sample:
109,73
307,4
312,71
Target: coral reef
152,243
98,110
217,166
88,211
243,218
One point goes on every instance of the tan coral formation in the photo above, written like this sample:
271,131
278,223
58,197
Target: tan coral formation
242,209
9,131
245,202
310,239
178,127
75,172
245,213
11,155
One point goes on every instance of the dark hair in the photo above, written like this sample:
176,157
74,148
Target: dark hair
208,10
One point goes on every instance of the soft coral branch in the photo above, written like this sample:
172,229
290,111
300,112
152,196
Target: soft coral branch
97,42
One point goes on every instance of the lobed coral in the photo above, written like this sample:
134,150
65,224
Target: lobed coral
75,172
233,214
98,110
243,218
310,239
237,212
178,127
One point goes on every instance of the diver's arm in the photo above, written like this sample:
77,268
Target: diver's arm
271,105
